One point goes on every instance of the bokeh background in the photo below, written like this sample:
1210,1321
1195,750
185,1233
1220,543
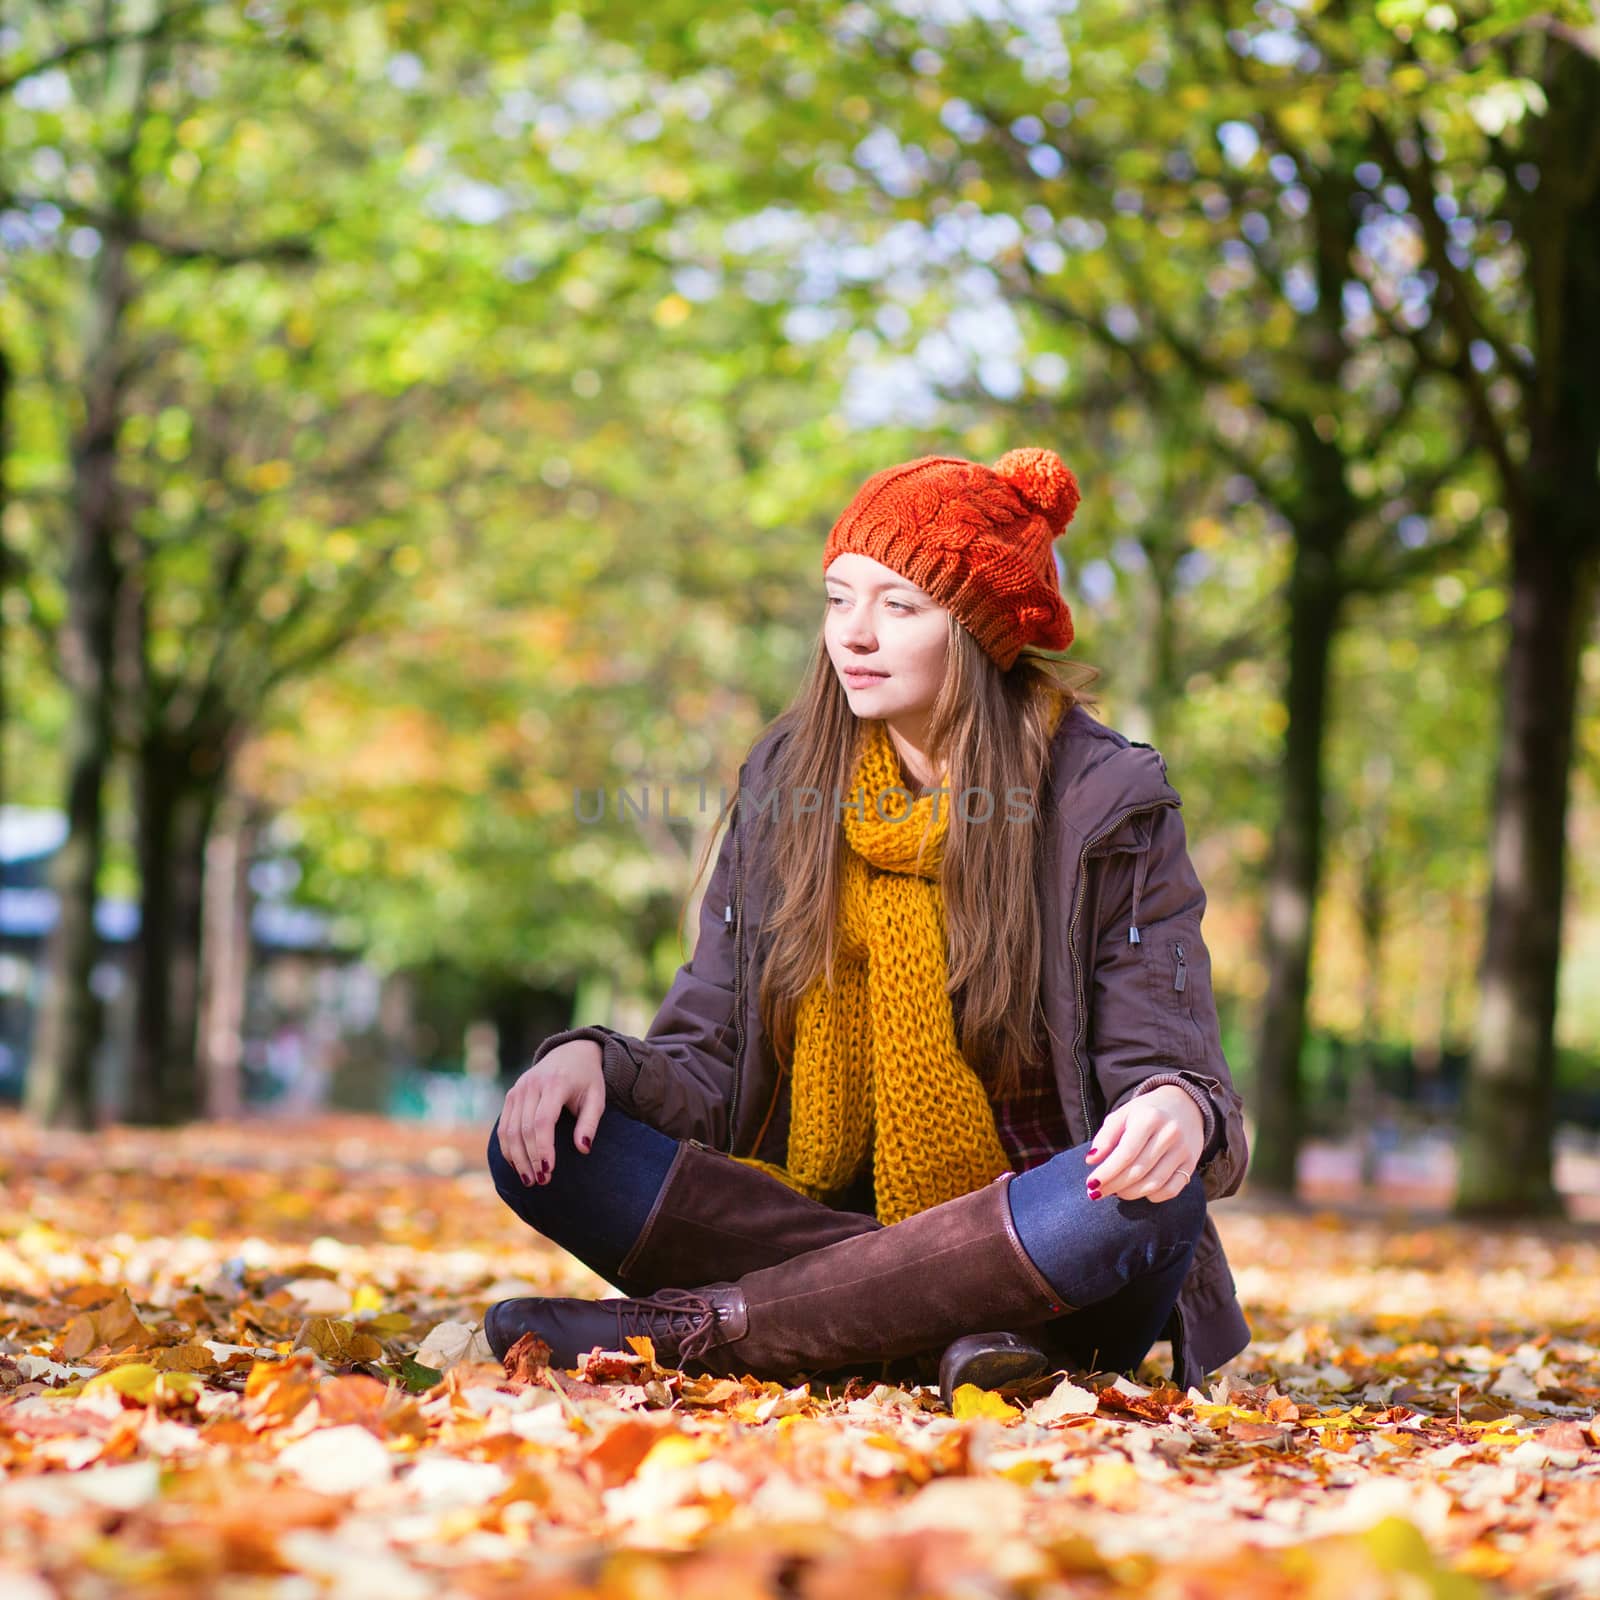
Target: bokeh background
421,420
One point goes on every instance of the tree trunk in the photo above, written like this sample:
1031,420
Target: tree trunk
225,957
1323,512
175,811
60,1083
1295,871
155,802
196,814
1508,1126
1367,1100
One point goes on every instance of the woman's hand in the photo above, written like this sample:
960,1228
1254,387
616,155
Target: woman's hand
1148,1147
569,1076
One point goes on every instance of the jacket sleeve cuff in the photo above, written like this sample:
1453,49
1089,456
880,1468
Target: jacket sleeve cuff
1196,1092
618,1065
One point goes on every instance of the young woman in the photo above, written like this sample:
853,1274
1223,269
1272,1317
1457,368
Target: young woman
943,1081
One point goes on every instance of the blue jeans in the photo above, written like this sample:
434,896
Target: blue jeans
1121,1262
596,1202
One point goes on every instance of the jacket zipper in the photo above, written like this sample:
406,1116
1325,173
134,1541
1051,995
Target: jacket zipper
1182,975
735,910
1072,946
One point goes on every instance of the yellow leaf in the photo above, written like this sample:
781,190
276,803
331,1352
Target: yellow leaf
137,1380
673,1451
339,1342
1226,1414
367,1298
971,1401
178,1385
1109,1481
144,1384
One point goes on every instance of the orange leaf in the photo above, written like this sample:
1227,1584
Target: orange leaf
527,1358
352,1397
279,1389
598,1366
115,1324
616,1457
1254,1431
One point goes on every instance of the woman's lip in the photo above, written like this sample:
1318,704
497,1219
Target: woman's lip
866,674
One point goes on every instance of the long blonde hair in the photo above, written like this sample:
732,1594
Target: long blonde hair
990,728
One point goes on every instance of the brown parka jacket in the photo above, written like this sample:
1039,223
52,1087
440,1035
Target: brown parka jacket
1123,1009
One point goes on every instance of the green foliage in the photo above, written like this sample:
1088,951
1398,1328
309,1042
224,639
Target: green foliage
497,371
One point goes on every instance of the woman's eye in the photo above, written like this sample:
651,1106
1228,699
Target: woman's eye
899,605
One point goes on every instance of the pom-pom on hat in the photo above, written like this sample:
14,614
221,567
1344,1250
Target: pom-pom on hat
979,539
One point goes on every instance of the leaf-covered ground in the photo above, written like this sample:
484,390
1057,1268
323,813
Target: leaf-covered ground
244,1361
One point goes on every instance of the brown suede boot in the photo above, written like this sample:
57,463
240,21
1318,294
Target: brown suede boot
717,1218
955,1268
886,1293
713,1218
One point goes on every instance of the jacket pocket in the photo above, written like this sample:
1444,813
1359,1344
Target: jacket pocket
1176,970
1187,1040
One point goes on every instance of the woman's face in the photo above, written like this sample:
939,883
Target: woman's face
880,621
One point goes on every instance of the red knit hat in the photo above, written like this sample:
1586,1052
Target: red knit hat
978,539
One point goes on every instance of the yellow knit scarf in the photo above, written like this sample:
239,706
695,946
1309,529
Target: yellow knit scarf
876,1063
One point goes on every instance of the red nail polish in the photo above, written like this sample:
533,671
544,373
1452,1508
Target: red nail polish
585,1144
1093,1151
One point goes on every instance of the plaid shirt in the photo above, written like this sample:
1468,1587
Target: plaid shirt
1032,1127
1031,1123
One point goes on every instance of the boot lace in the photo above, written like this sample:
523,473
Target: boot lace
691,1320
